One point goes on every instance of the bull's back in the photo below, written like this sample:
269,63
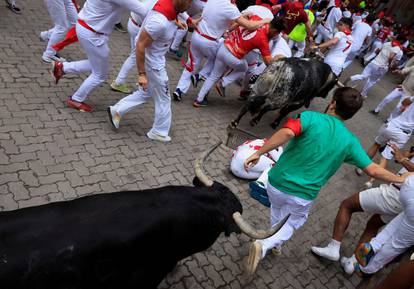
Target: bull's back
104,236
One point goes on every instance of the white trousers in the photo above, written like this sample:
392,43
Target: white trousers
64,16
373,72
158,90
283,204
97,50
178,38
371,54
323,34
351,56
398,235
199,48
225,61
130,62
300,46
397,93
391,134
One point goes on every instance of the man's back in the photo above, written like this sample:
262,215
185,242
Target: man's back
314,155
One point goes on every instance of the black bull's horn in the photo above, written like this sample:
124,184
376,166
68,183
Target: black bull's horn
245,227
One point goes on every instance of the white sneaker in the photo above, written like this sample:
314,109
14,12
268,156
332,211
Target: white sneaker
114,117
50,59
158,137
43,36
368,185
255,255
326,252
348,265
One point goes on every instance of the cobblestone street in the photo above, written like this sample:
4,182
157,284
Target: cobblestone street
50,153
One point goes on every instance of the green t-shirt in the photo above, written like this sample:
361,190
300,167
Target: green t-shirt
312,157
299,32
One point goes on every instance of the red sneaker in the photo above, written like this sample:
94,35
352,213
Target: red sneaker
81,106
57,70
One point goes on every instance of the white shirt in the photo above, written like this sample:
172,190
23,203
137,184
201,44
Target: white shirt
338,52
102,15
382,58
360,31
279,46
405,121
217,16
161,30
334,16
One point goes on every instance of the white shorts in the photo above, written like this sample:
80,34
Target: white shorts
383,200
391,134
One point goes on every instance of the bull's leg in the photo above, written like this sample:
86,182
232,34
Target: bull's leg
259,116
284,112
242,112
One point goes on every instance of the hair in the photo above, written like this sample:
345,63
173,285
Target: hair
278,23
347,21
401,38
348,102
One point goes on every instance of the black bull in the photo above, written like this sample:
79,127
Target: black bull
287,84
129,239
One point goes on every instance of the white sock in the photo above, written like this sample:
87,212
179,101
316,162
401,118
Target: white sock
334,244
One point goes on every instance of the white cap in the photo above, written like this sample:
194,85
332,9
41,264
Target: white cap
347,14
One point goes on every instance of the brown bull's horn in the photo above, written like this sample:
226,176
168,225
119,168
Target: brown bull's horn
254,233
198,165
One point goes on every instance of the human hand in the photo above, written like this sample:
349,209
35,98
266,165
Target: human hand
251,161
398,154
143,81
196,21
181,25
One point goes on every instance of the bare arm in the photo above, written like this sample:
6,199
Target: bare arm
280,137
251,25
308,26
377,172
268,60
328,43
143,42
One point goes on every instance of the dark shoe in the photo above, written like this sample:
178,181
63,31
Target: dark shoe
57,71
374,112
81,106
203,103
177,95
120,28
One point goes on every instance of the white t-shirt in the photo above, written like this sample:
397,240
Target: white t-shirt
161,30
382,58
338,52
279,46
103,15
334,16
360,31
217,16
405,120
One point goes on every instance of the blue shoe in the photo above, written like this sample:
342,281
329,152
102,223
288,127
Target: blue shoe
197,103
364,254
177,95
259,193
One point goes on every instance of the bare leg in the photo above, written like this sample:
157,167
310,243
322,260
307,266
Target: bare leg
371,229
373,150
343,217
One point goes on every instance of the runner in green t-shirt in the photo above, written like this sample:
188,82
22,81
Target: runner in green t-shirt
318,145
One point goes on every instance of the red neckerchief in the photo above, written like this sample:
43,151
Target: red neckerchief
396,43
166,8
347,31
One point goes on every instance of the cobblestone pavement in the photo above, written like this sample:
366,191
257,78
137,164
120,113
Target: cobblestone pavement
51,153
